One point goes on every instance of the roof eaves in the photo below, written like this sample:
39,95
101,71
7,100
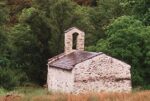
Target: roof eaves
60,68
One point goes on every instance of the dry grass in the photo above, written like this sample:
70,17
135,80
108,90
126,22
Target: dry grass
135,96
139,96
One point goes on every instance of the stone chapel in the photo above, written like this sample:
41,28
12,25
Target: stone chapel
79,71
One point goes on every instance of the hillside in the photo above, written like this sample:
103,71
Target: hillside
32,31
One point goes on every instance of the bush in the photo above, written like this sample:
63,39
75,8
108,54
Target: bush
128,40
146,87
2,91
10,78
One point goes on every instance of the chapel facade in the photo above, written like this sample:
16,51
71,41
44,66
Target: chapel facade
79,71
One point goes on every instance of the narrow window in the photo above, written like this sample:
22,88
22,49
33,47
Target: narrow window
74,44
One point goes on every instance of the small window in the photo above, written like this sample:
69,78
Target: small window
74,44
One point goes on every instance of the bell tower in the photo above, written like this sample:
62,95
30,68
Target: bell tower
74,40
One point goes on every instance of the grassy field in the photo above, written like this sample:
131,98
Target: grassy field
41,94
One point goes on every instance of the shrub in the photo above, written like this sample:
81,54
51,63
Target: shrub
127,39
146,87
10,78
2,91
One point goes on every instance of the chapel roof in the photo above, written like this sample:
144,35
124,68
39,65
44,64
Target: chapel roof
68,61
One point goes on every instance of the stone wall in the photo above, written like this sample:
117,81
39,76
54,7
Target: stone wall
69,40
59,80
102,73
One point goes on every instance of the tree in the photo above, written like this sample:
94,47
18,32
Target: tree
140,9
86,2
101,16
9,77
26,53
146,54
15,8
38,35
125,39
41,31
61,15
3,36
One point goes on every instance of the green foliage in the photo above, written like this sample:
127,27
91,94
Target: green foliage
140,9
38,37
32,31
2,16
32,91
125,39
84,22
26,51
46,26
10,78
27,14
101,16
3,37
2,91
61,15
146,87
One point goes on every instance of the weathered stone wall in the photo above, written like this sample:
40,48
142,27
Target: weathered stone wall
59,80
69,40
102,73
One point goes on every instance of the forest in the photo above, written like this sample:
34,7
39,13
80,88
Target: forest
32,31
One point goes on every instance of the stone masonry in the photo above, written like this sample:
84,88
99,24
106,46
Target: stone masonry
102,73
79,71
69,37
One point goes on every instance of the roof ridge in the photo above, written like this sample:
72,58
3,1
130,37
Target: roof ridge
88,58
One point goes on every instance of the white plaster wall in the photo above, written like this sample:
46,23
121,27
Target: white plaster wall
59,80
102,73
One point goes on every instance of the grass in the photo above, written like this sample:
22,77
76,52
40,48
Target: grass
3,91
41,94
